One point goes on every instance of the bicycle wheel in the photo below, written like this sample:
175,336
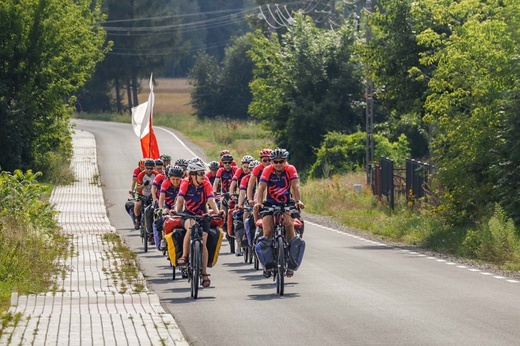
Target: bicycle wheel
256,263
281,266
173,274
196,268
145,238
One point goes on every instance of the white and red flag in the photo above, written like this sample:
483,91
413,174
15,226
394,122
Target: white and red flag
142,116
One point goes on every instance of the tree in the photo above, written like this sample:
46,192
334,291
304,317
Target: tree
205,77
306,85
48,49
469,103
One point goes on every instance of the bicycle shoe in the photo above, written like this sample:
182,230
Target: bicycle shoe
137,224
289,273
267,274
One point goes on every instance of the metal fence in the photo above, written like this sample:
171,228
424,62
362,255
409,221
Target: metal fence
388,181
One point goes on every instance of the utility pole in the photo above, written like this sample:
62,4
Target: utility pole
369,93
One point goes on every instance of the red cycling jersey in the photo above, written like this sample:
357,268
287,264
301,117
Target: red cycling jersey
170,193
136,172
279,187
142,178
157,182
196,197
226,177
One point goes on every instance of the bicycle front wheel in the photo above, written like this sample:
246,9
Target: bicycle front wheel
281,266
196,258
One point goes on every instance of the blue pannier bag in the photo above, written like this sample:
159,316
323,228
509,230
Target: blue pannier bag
250,229
296,251
264,251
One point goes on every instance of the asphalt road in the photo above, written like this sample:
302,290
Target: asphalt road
348,291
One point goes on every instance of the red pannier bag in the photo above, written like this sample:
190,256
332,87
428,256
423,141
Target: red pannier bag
172,223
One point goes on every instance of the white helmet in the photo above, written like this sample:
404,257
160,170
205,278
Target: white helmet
196,166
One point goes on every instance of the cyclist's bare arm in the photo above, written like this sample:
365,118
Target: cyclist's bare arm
179,203
250,186
261,190
215,184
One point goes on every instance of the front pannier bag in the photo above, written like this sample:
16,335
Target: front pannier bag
296,251
264,251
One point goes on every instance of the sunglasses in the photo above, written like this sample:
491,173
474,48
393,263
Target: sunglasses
278,162
266,160
226,162
149,167
200,174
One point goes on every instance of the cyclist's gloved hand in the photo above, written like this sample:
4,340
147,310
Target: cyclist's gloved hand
146,183
159,212
136,195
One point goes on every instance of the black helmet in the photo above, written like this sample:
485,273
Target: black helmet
213,165
159,162
279,153
175,171
181,162
165,157
149,163
227,157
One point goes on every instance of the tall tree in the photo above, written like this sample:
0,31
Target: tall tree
48,49
306,85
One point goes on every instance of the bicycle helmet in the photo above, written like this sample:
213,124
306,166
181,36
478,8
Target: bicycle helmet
213,165
159,162
224,152
196,166
265,152
227,157
181,162
253,164
149,163
165,157
279,153
176,171
141,163
247,159
196,159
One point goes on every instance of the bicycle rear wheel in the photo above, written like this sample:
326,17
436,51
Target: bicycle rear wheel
196,267
280,274
145,238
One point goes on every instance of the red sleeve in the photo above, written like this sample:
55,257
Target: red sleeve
158,179
256,171
244,182
183,188
267,173
136,172
140,177
219,173
208,175
208,189
238,174
291,172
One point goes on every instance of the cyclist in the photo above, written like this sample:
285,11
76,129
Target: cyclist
213,168
144,188
282,184
139,169
225,174
226,152
182,163
167,159
169,191
256,173
159,178
193,195
240,174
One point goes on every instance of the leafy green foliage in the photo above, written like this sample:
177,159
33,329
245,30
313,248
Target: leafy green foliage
306,84
205,78
29,235
476,70
340,153
48,49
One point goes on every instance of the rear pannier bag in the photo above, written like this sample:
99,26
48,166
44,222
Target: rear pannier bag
250,228
296,251
213,243
175,239
264,251
129,206
171,223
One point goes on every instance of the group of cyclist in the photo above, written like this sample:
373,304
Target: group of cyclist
186,186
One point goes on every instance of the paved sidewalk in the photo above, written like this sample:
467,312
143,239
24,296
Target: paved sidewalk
91,305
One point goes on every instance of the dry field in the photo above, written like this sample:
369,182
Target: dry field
172,95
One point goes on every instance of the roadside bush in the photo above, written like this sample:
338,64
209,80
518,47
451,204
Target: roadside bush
495,241
342,153
30,239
